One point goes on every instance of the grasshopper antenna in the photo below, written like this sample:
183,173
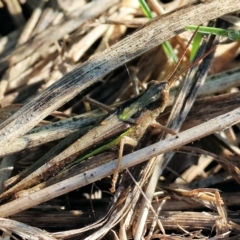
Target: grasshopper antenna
191,65
171,78
170,75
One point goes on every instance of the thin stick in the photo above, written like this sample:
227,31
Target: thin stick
171,74
148,202
192,64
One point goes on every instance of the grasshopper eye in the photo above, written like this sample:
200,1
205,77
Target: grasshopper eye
163,86
152,83
158,84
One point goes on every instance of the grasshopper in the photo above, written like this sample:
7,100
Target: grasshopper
118,122
129,121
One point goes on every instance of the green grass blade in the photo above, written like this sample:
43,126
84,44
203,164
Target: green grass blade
169,51
232,34
195,45
167,48
145,9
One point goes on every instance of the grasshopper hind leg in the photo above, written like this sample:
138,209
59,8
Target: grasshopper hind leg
124,140
155,124
132,142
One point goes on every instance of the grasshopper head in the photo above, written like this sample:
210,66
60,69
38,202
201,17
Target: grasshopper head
158,89
155,96
159,92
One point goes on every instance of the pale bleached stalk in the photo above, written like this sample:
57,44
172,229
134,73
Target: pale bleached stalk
23,230
215,84
16,13
15,70
9,41
220,82
190,135
33,20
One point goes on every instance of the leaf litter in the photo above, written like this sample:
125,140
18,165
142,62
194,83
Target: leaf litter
197,192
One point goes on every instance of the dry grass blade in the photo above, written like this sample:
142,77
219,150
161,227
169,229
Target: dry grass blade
53,132
23,230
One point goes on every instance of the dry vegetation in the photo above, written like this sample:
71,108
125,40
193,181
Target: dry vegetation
48,72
